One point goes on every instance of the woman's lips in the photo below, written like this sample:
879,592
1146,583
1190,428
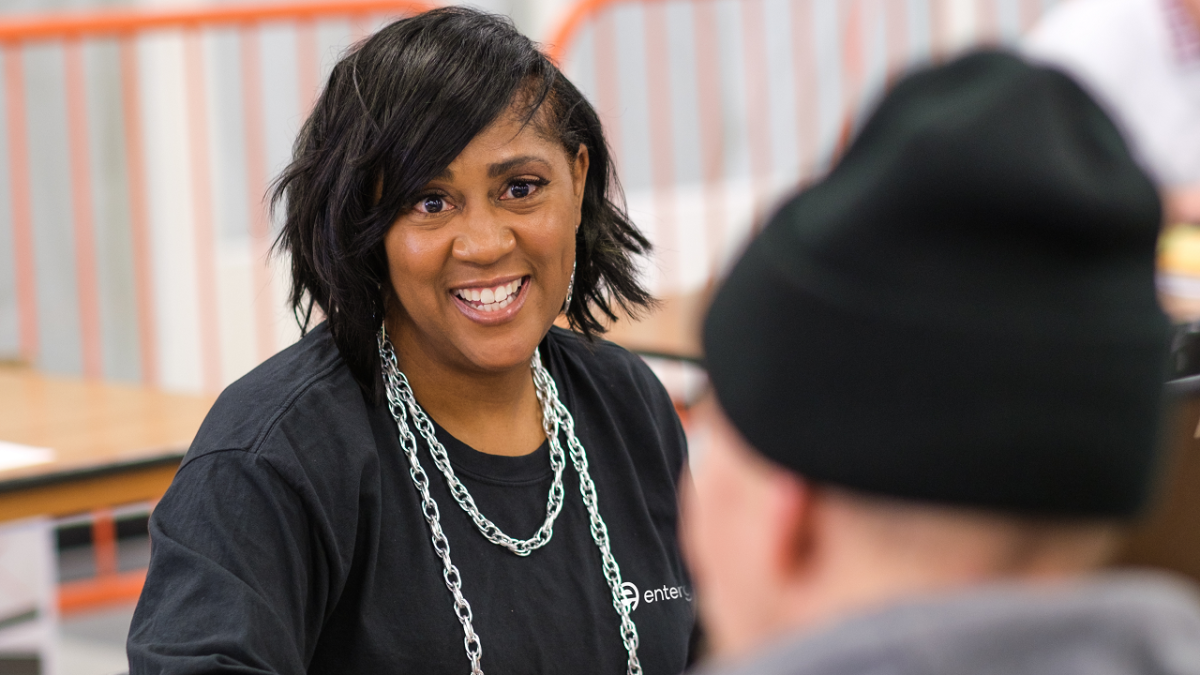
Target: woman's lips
491,299
491,305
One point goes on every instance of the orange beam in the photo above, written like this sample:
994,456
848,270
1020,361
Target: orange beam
712,130
81,205
896,24
256,184
22,210
308,68
853,59
80,596
57,26
104,543
939,30
662,146
987,22
204,236
139,219
853,75
608,99
754,44
804,57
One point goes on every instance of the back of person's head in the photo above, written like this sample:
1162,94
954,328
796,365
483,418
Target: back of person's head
940,365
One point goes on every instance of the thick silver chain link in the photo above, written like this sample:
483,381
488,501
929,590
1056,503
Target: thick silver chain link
429,508
399,383
555,419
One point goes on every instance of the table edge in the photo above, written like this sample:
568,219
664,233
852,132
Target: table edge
94,471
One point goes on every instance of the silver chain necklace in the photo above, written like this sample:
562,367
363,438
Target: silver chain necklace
555,419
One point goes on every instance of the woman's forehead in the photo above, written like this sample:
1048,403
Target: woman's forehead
507,143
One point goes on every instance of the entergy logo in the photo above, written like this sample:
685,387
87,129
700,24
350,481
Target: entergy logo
629,595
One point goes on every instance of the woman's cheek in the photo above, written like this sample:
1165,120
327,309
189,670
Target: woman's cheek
554,234
415,253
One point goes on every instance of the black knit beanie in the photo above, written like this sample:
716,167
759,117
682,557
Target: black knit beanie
964,310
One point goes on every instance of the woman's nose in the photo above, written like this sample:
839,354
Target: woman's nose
484,238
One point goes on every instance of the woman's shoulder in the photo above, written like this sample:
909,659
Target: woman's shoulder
305,391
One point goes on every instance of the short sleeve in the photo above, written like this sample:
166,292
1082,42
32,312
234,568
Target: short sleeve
235,579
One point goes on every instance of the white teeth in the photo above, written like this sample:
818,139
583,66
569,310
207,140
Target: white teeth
492,299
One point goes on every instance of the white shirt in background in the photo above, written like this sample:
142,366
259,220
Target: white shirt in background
1141,60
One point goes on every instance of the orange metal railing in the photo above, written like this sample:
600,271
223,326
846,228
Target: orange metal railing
71,32
118,23
109,585
862,31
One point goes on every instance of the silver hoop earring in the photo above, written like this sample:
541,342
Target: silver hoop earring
570,289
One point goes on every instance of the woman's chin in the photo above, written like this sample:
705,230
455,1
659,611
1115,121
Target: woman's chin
501,348
501,361
504,345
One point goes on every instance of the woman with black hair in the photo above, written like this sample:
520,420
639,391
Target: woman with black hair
435,478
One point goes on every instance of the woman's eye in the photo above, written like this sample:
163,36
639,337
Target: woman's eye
521,189
432,204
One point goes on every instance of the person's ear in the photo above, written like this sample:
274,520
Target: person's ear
579,170
793,531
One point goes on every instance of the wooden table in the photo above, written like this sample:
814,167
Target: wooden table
1179,272
672,330
113,443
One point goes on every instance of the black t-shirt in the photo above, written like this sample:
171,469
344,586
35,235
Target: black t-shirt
292,540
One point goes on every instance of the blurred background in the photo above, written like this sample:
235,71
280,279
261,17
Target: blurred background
137,142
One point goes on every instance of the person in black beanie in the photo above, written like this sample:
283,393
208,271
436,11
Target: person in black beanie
937,379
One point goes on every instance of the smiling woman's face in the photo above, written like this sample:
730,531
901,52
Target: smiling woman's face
481,261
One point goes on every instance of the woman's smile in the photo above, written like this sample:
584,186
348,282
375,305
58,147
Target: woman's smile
493,302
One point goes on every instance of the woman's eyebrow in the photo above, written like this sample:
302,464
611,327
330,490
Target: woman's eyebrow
499,168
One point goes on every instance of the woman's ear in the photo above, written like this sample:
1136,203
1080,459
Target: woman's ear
579,169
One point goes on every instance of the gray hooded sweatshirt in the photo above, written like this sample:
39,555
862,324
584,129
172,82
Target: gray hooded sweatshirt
1112,624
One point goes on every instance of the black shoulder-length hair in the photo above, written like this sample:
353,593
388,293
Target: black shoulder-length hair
398,108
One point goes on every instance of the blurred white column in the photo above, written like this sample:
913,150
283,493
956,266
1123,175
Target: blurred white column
28,611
